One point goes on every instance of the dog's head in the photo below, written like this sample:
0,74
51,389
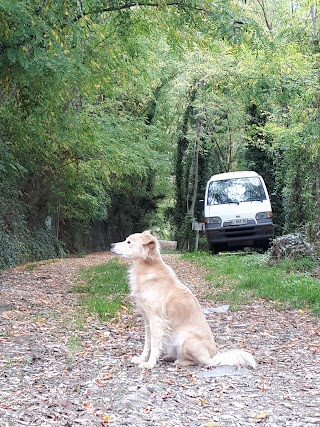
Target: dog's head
139,245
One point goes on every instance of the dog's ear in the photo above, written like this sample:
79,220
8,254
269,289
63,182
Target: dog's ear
147,237
150,245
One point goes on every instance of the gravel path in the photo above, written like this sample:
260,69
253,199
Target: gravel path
59,367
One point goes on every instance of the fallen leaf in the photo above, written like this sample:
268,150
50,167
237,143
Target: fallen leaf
106,419
238,405
89,408
193,380
261,415
263,387
101,381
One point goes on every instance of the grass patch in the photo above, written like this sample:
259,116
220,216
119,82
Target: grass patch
103,288
240,279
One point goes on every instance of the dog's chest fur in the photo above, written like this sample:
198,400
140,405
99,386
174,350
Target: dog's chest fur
141,283
146,286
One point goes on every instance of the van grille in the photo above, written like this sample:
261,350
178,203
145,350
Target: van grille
244,231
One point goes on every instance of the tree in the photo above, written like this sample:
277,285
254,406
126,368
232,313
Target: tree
99,95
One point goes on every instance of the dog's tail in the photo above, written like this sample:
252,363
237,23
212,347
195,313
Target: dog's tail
239,358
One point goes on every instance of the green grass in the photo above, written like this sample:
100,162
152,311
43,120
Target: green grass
240,279
237,279
103,288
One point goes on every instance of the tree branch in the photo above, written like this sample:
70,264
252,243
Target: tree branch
263,7
113,6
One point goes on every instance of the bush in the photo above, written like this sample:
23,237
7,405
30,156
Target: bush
290,246
24,246
44,245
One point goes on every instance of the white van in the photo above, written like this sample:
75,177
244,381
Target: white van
237,211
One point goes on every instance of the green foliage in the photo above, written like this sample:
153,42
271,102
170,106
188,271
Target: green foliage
71,128
102,104
105,288
44,245
20,246
240,279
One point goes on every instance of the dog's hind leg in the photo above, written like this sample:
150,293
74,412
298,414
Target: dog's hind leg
184,362
192,352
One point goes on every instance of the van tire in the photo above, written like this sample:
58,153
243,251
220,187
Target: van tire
215,249
263,245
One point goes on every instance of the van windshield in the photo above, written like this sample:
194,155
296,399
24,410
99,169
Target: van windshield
235,190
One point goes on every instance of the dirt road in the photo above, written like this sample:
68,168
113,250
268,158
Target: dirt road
61,367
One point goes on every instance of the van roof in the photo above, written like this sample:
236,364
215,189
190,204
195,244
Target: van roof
228,175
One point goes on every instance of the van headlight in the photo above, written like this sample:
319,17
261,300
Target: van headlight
264,215
213,220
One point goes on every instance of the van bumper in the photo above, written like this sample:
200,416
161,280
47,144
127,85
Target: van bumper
241,235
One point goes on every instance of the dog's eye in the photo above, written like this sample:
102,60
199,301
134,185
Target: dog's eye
128,241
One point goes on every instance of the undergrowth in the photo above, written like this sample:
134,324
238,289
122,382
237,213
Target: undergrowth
103,288
239,279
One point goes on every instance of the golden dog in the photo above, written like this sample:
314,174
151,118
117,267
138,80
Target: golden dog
174,323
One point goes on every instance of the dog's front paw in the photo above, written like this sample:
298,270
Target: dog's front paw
147,365
138,359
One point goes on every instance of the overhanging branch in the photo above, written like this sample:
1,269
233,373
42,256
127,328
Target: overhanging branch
113,6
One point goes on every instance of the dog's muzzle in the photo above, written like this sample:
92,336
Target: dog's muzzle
113,249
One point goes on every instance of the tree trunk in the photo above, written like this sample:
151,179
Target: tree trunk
196,155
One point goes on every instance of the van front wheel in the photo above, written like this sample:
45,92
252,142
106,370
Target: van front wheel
214,249
263,245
